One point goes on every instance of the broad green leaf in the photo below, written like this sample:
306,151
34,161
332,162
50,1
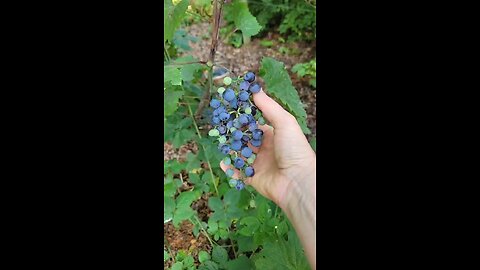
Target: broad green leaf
172,74
242,18
168,208
212,226
182,214
241,263
245,243
215,204
188,261
170,103
181,39
169,190
186,198
188,70
252,225
280,86
209,265
177,266
192,162
182,137
219,255
288,255
173,18
203,256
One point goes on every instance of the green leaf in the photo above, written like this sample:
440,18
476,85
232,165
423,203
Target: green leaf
245,243
212,226
168,208
172,74
288,255
280,86
241,263
215,204
219,255
188,70
173,18
242,18
182,137
185,199
181,214
188,261
203,256
209,265
169,189
170,103
252,224
177,266
313,143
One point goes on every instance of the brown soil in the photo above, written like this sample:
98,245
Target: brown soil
183,239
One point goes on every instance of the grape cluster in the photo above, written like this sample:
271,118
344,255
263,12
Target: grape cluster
235,120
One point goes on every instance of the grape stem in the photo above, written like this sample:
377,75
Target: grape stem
216,18
203,147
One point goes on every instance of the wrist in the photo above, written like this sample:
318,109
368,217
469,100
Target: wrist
300,190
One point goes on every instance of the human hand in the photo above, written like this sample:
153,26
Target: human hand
285,159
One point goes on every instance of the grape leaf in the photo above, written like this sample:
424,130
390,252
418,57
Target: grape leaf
177,266
203,256
170,102
241,263
181,39
280,86
173,17
172,74
289,255
188,70
219,255
242,18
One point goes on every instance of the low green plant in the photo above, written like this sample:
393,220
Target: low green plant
308,70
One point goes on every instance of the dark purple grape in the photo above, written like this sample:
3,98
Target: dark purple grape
222,129
238,163
229,95
244,85
243,96
249,171
254,88
224,116
243,119
215,103
240,185
252,126
225,149
236,145
245,138
215,120
257,134
256,143
246,152
249,77
237,135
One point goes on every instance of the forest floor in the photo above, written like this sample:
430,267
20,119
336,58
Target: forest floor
238,61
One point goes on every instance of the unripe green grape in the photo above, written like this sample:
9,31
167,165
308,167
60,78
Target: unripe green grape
227,80
213,132
220,90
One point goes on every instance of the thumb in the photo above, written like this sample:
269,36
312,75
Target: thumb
272,111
